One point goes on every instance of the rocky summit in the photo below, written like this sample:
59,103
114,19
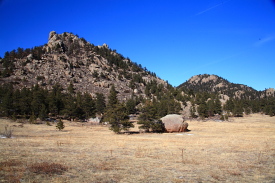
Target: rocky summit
67,59
216,84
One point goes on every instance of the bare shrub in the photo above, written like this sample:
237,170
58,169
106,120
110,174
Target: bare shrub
7,132
48,168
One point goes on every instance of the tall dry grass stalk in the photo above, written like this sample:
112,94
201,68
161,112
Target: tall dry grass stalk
239,151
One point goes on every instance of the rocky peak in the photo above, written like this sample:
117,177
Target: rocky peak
52,33
66,59
216,84
203,78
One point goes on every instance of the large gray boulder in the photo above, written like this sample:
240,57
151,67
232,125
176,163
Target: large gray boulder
174,123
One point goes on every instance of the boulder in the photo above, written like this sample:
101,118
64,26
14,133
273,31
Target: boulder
94,121
174,123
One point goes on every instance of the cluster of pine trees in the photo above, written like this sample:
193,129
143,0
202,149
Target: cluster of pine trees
37,102
205,104
9,57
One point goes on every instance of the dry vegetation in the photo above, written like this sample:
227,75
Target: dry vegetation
242,150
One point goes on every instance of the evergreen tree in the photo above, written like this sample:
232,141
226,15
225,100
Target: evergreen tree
55,101
131,106
149,118
203,110
88,105
38,99
60,125
118,118
217,106
25,101
238,109
210,107
16,104
100,103
229,105
69,106
112,98
43,113
7,103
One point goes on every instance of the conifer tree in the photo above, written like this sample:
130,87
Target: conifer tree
112,97
149,118
118,118
217,106
88,105
55,101
100,103
131,106
238,110
60,125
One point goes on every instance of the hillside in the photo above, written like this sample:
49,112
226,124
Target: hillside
73,78
67,59
216,84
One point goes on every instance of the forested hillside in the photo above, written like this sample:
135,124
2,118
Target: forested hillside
70,78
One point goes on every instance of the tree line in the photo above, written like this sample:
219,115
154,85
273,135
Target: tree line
37,102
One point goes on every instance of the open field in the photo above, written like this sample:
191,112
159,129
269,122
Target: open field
242,150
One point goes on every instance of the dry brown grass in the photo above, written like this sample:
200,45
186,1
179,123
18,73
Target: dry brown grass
239,151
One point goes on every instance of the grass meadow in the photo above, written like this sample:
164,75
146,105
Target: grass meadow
242,150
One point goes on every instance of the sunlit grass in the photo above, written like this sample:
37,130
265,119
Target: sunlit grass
239,151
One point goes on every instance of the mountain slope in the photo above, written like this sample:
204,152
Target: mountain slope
67,59
216,84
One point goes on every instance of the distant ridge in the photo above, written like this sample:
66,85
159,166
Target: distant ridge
216,84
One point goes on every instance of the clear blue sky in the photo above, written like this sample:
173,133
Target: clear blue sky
176,39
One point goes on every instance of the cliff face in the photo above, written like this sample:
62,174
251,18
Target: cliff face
66,59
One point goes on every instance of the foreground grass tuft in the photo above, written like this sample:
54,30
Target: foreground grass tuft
48,168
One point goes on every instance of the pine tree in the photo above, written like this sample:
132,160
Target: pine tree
38,99
131,106
217,106
118,118
149,117
55,101
100,103
60,125
88,105
7,103
25,101
203,110
238,109
112,97
43,112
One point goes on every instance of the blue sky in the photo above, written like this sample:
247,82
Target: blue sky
176,39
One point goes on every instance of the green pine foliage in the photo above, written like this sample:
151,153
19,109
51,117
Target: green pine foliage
112,98
100,103
118,118
60,125
149,118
